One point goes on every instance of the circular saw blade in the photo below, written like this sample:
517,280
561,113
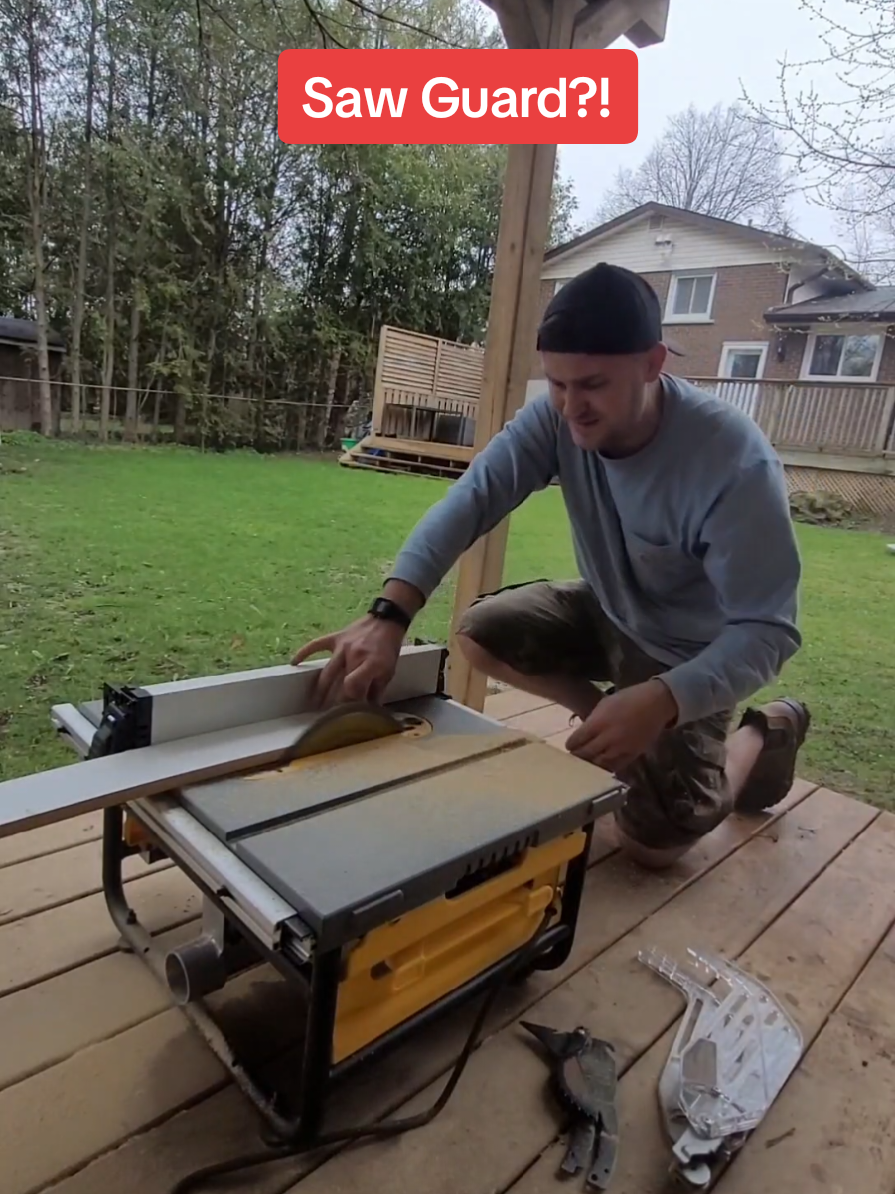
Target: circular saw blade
344,725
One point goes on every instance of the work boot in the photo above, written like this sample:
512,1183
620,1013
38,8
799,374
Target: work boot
784,725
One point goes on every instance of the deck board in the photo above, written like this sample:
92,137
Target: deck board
807,962
34,886
50,839
801,896
51,942
615,993
604,921
831,1128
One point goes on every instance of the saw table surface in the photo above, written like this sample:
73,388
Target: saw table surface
105,1086
367,833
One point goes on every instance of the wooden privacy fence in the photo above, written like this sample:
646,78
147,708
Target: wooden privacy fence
426,388
812,417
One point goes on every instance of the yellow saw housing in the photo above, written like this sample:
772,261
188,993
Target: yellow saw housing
401,968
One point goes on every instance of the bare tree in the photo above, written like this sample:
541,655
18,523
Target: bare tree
841,143
835,114
720,163
868,236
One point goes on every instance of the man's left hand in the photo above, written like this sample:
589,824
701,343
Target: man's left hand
624,725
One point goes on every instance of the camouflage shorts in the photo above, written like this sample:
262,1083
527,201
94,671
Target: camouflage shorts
678,791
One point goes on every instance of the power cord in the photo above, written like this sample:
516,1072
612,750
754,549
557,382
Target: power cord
388,1127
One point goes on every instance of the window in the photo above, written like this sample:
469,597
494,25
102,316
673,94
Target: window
743,361
559,283
690,298
840,356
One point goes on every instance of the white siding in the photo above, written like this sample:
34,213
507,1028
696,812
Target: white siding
637,247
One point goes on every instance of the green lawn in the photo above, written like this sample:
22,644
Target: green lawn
140,565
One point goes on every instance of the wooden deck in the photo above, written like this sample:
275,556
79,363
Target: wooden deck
105,1087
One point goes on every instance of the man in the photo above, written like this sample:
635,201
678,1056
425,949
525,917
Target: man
687,598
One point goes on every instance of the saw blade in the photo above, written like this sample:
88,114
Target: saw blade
344,725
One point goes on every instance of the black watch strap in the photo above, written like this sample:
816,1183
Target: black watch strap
389,611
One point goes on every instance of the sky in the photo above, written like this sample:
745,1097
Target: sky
711,53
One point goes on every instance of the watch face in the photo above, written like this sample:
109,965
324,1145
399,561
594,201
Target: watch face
383,608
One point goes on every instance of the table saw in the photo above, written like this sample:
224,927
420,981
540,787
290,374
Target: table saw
391,867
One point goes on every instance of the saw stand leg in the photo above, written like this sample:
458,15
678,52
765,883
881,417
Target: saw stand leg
573,890
304,1126
134,938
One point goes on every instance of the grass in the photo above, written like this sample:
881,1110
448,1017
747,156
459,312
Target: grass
140,565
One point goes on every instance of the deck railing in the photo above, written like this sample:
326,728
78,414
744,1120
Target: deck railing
815,416
427,388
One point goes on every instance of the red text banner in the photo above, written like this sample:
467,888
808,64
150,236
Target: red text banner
458,97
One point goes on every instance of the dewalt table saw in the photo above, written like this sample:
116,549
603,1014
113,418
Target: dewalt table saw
391,863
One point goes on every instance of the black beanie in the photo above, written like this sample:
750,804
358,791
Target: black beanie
607,310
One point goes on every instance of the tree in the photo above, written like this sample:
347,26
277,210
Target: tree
80,282
842,144
868,236
192,260
26,33
563,206
719,163
846,137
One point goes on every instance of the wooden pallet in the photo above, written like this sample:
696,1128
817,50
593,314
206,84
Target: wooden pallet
392,455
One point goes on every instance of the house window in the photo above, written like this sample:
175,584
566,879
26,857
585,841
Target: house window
690,298
559,283
842,357
744,361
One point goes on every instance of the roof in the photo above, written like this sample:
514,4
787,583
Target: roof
759,235
866,306
24,331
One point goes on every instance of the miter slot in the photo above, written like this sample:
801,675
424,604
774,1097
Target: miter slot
411,843
238,807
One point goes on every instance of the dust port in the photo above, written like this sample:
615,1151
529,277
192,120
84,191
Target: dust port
195,970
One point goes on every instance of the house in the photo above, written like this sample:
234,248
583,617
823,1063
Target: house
741,302
19,387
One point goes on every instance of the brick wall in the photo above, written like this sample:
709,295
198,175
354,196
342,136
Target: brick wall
742,294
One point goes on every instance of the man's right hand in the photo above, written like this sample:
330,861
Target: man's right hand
364,660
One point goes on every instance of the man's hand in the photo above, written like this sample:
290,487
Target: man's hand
364,660
624,725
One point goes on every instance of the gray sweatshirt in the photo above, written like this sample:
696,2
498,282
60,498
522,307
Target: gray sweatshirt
688,544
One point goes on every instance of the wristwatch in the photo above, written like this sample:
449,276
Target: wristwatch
389,611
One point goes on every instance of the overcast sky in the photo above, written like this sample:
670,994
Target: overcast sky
712,49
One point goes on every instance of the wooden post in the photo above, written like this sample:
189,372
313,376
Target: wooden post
521,242
522,239
378,412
